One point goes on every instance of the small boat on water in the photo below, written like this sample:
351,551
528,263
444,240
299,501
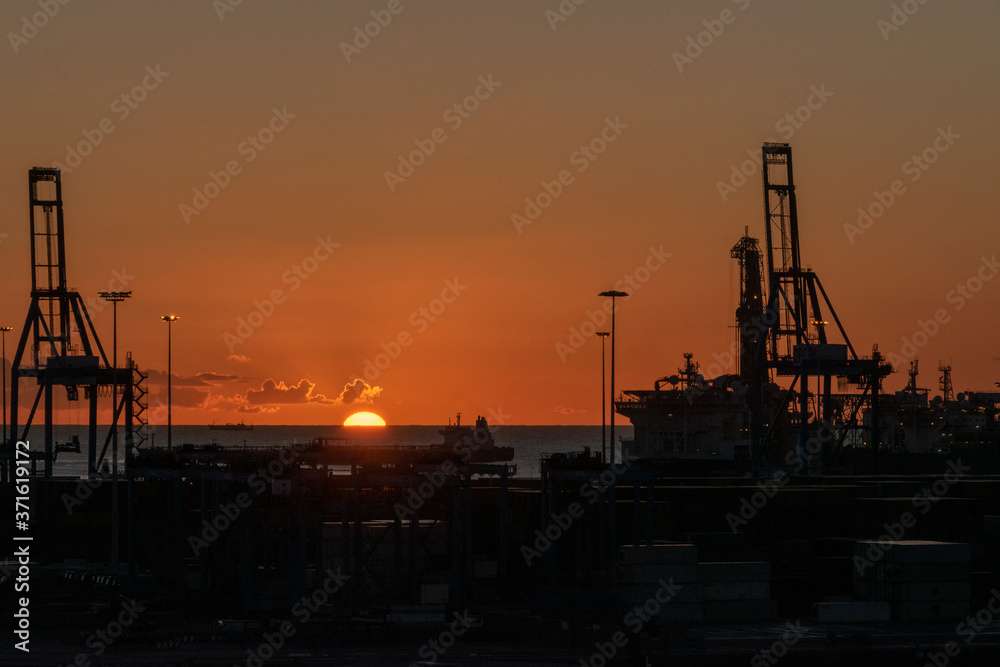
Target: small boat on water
230,427
71,446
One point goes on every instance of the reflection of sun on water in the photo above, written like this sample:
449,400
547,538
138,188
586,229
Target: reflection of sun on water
364,419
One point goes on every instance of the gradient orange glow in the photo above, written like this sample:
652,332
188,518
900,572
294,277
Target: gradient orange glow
308,289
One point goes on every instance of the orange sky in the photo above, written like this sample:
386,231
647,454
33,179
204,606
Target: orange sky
309,215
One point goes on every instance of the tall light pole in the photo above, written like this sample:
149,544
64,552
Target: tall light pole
169,319
604,408
613,294
3,334
115,298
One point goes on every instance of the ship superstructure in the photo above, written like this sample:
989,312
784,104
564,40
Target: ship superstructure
791,332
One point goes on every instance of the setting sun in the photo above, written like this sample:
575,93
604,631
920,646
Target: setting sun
364,419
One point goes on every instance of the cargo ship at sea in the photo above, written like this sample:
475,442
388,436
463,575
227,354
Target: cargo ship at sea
230,426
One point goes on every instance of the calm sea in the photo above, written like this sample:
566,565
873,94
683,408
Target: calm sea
530,443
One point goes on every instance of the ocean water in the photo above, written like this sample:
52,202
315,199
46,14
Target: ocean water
530,443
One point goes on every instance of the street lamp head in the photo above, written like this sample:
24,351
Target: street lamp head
170,318
114,296
613,293
603,334
5,329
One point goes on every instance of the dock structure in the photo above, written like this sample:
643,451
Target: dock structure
259,526
391,547
794,340
59,347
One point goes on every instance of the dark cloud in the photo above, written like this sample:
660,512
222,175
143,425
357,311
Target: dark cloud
256,409
181,397
278,393
188,397
157,377
215,378
358,391
204,379
196,392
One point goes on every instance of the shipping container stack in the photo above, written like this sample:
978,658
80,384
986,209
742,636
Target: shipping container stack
920,580
709,592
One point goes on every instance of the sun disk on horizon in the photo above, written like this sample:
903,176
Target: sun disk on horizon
364,419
